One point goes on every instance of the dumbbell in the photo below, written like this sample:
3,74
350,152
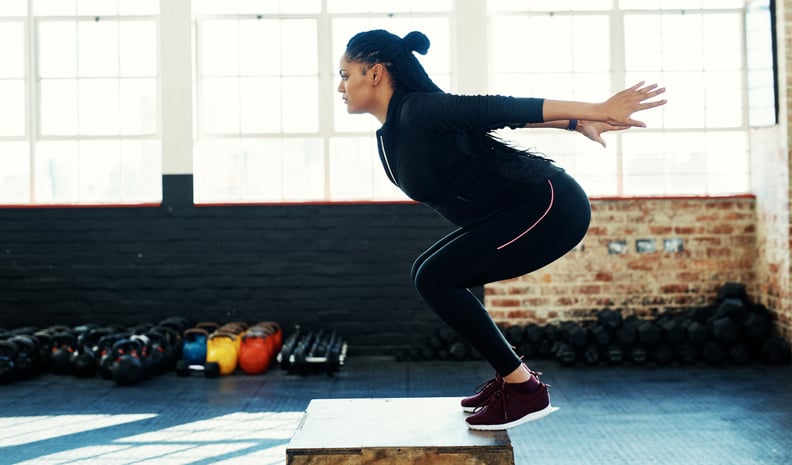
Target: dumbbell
609,319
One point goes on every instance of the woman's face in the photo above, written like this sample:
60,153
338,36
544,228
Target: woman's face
355,86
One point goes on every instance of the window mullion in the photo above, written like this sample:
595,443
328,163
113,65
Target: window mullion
618,71
31,52
325,37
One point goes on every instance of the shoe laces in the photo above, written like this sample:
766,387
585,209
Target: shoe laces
498,398
486,384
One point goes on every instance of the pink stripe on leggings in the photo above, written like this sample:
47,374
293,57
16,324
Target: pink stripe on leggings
552,197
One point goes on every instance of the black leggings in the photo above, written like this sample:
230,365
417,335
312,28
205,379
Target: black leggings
514,242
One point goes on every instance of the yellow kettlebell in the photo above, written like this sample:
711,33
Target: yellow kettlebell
222,349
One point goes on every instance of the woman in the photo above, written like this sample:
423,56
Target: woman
516,211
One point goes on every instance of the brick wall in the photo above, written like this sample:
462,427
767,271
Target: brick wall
343,267
717,235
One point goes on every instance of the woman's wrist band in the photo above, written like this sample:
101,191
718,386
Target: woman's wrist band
572,125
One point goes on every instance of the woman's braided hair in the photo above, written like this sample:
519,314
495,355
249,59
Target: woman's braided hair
395,54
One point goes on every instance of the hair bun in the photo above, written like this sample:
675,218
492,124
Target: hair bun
416,41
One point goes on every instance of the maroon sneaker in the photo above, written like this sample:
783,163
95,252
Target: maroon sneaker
508,408
483,393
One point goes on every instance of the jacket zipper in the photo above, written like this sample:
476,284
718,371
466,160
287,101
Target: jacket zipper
387,163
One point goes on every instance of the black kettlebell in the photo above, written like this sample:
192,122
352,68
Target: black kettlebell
27,355
127,367
104,353
8,354
61,349
84,359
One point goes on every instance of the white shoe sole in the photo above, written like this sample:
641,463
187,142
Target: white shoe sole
528,418
469,409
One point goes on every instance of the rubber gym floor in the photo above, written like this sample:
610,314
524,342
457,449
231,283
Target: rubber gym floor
609,415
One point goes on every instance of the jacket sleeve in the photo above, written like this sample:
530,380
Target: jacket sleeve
443,113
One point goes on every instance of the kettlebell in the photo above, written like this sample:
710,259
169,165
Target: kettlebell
61,349
27,355
222,349
8,354
194,346
127,367
255,353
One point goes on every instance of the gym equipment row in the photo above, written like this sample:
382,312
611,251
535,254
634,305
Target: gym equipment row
732,331
129,355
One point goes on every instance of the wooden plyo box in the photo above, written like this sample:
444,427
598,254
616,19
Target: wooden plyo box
398,431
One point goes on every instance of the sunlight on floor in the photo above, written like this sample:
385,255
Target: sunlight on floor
234,439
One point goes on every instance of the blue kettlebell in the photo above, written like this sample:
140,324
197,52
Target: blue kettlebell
194,346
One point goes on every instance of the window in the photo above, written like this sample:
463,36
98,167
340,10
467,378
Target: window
696,144
92,132
83,110
271,126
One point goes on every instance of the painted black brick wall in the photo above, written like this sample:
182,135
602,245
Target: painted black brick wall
343,267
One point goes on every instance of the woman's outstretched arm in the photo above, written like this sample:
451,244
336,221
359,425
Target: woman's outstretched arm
616,111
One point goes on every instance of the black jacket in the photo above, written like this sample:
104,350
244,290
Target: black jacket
435,148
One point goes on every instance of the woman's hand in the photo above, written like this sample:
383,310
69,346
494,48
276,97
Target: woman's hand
594,129
617,110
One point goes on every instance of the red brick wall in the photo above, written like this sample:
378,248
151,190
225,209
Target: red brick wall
718,245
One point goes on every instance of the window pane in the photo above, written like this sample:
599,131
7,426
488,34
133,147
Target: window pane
97,7
218,167
13,114
138,7
138,106
351,173
54,7
15,175
100,171
219,47
723,99
722,41
303,169
13,8
219,108
141,170
300,107
590,43
263,174
138,48
12,53
299,39
97,52
57,49
260,105
58,107
685,94
260,47
682,42
233,170
643,42
576,67
98,106
57,165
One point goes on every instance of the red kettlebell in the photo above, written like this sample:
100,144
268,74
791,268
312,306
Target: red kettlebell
255,353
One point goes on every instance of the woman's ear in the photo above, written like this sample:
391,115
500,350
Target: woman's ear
376,73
